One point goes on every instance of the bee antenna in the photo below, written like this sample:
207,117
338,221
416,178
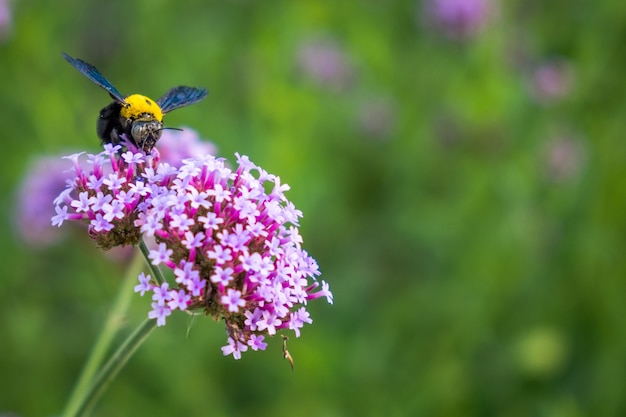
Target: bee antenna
171,128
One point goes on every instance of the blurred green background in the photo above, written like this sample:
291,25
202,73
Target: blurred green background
462,177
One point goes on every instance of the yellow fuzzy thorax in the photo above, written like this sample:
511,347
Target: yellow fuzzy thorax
136,105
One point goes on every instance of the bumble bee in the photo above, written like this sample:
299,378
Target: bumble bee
137,117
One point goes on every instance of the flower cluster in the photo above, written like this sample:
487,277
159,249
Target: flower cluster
230,237
46,177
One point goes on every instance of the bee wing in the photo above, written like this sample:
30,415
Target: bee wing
180,96
94,75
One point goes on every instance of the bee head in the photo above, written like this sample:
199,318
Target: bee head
145,118
146,132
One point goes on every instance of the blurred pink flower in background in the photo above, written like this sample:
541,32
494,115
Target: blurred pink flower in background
458,19
551,80
45,179
5,20
324,62
564,158
376,118
176,145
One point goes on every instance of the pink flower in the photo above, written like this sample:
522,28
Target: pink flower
459,19
230,237
325,63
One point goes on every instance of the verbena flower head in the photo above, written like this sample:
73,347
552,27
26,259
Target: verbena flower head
229,236
106,196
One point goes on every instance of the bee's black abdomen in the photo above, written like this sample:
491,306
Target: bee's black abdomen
109,127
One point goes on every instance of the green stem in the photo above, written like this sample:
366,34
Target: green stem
114,365
115,321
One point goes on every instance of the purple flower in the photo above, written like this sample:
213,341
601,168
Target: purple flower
551,80
564,157
161,294
144,284
234,348
179,300
159,312
376,118
298,319
91,194
160,255
222,275
230,237
459,19
325,63
256,342
5,20
233,300
46,178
